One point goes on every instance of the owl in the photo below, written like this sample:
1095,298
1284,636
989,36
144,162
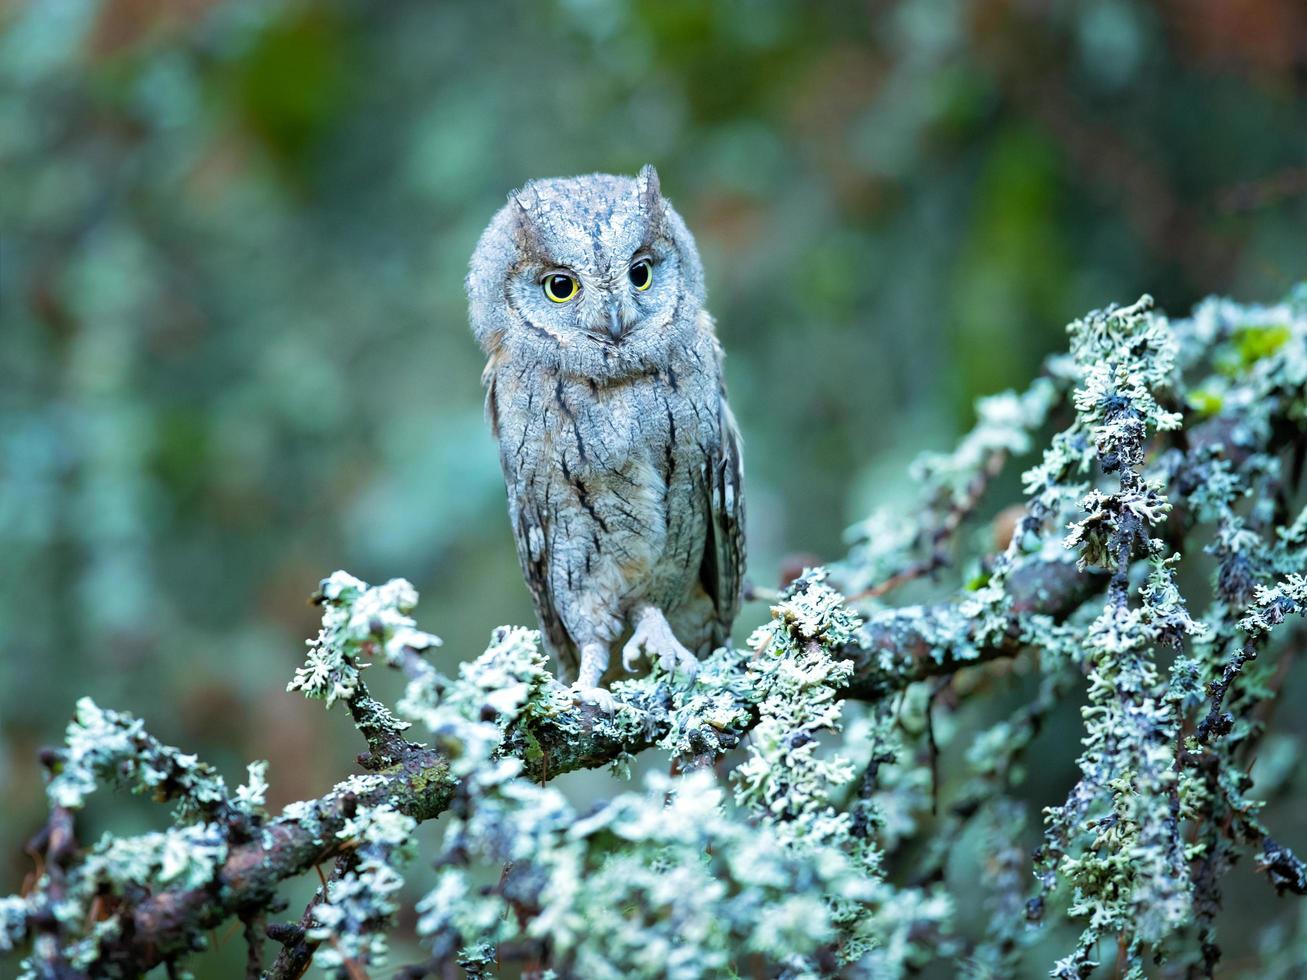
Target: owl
620,454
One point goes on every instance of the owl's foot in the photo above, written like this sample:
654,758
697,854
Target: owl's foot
654,636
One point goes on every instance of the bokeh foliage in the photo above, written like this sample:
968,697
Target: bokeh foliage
234,349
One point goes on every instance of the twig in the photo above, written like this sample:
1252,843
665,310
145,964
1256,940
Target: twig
254,946
932,745
959,510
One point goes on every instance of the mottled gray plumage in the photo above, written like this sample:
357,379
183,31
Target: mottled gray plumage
619,451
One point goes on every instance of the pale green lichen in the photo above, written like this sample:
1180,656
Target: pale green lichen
184,857
359,623
1272,604
1116,839
1117,491
708,712
796,680
253,793
360,905
114,747
14,910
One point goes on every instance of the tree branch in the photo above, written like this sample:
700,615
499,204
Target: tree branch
901,646
167,924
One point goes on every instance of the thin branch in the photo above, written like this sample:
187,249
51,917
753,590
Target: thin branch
297,949
901,646
958,511
254,946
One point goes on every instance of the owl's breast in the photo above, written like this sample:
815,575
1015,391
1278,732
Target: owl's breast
644,473
615,477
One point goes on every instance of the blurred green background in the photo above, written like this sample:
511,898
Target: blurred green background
233,343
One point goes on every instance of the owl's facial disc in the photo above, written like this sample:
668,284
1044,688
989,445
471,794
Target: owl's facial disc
600,267
609,318
605,292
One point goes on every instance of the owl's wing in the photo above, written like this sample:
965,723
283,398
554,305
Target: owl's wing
533,554
722,571
531,535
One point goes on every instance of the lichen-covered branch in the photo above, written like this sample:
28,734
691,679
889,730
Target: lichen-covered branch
900,646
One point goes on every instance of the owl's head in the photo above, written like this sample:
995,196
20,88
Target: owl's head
595,275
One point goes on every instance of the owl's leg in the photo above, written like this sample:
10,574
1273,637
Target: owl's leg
594,661
653,635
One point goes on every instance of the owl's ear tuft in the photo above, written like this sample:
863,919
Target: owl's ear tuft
647,182
651,198
525,204
526,198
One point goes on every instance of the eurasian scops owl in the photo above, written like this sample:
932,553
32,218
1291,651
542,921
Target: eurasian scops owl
619,451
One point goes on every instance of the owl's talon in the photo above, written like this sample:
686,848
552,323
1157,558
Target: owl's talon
597,696
681,660
654,636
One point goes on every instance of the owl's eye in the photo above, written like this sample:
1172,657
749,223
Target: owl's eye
560,287
641,274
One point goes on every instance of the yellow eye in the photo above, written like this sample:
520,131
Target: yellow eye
642,274
560,287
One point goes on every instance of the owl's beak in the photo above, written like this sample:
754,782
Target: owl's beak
614,321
